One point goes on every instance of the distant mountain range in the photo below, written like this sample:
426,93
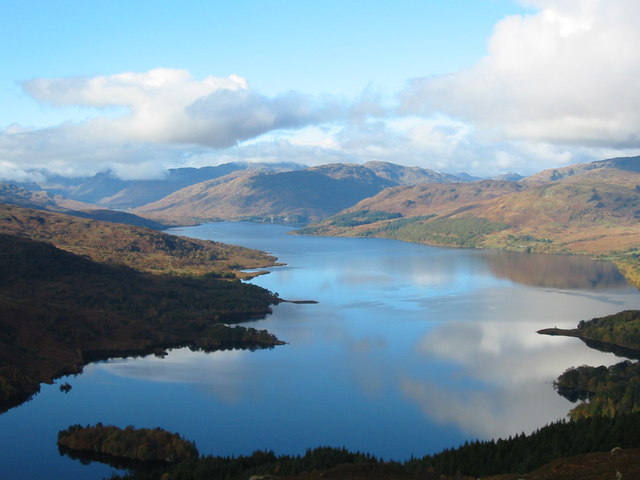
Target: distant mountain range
585,208
107,190
282,191
42,200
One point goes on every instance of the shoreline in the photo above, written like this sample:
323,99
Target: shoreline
617,350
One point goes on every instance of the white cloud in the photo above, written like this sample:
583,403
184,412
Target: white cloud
145,122
567,74
169,106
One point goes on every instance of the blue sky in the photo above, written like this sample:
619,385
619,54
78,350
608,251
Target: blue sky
482,86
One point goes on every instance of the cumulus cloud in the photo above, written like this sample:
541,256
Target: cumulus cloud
566,74
169,106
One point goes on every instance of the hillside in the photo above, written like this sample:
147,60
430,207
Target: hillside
591,209
295,196
136,247
59,311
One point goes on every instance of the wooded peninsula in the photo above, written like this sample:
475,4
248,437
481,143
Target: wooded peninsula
60,310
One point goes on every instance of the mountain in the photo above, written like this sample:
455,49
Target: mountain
589,209
401,175
40,199
106,189
296,196
510,177
630,164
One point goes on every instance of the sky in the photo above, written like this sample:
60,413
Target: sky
485,87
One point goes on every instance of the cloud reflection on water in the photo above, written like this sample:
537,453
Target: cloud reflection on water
503,376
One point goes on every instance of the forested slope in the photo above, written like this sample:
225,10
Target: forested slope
59,311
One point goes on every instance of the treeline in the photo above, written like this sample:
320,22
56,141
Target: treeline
519,454
458,232
609,391
142,444
621,329
361,217
258,463
347,220
524,453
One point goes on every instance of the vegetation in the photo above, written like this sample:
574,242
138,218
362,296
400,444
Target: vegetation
523,453
459,232
349,219
604,391
621,329
609,391
628,262
361,217
59,311
142,444
519,454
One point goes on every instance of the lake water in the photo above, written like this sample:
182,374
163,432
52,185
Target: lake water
410,350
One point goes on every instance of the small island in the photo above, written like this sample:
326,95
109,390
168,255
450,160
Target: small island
140,444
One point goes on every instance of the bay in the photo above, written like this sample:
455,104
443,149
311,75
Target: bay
410,350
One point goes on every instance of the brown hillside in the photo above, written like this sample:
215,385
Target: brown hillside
631,164
594,212
295,196
137,247
436,198
301,195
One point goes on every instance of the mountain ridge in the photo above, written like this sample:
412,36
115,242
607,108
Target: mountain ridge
296,196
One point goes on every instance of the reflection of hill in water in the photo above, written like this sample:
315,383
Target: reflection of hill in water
555,271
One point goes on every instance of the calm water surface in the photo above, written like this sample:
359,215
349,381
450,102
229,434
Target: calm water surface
411,349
